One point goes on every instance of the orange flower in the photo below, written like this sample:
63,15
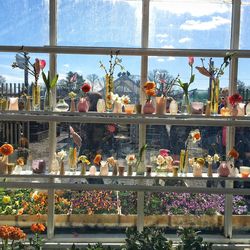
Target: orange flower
233,153
20,161
150,92
37,228
97,159
6,149
149,85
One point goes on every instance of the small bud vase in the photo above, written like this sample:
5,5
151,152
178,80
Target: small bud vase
210,170
72,105
83,169
223,169
130,169
13,103
148,108
83,105
161,103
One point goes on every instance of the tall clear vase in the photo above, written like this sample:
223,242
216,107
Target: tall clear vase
36,97
185,104
215,91
48,100
109,88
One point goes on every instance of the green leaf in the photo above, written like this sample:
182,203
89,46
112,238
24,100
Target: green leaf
54,81
191,79
45,80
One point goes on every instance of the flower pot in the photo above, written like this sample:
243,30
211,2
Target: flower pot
161,103
83,105
148,108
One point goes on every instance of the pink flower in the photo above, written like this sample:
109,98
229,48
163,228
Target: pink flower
42,64
164,152
190,60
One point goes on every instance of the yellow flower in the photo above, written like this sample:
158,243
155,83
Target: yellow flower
6,199
201,161
196,136
216,157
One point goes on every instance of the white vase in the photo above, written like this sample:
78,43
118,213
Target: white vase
117,107
13,103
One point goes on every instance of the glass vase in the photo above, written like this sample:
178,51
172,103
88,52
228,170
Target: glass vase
62,106
47,106
36,98
215,91
185,104
109,88
140,169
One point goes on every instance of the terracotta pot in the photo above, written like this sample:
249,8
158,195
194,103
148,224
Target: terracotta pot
83,105
148,108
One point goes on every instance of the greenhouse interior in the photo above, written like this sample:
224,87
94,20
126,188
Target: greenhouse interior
124,124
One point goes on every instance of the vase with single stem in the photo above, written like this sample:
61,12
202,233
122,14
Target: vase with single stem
215,91
48,100
185,104
36,98
109,81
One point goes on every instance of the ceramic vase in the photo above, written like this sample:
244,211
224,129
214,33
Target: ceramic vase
210,170
83,105
117,107
72,105
161,103
61,106
148,108
223,169
100,106
13,105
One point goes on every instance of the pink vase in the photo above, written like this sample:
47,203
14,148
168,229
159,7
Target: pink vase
83,105
223,169
148,108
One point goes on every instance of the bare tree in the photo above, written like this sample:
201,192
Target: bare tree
94,82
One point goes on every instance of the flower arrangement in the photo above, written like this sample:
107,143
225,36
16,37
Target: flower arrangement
214,74
85,88
131,159
13,234
124,99
97,159
23,62
37,241
163,161
235,99
5,150
72,94
149,88
185,85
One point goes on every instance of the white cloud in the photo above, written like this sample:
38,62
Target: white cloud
171,58
12,78
195,8
185,40
79,71
160,60
66,65
161,35
198,25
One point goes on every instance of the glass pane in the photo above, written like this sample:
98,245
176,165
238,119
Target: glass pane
244,24
190,24
243,79
24,22
99,23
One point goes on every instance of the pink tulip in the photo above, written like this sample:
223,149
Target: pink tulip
164,152
190,60
42,64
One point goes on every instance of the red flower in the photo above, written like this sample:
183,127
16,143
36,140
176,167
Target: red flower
42,64
6,149
190,60
86,87
111,128
235,98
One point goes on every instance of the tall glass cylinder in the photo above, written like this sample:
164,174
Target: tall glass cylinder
36,98
48,100
185,104
215,91
109,89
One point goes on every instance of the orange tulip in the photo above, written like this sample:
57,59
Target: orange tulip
97,159
149,85
233,153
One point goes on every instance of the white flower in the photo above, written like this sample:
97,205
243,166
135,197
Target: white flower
131,159
216,158
160,160
61,154
125,99
169,160
191,161
196,136
209,159
115,97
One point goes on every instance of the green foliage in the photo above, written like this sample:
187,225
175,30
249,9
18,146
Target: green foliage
148,239
190,240
97,246
50,84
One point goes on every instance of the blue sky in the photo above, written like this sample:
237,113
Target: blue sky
173,24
